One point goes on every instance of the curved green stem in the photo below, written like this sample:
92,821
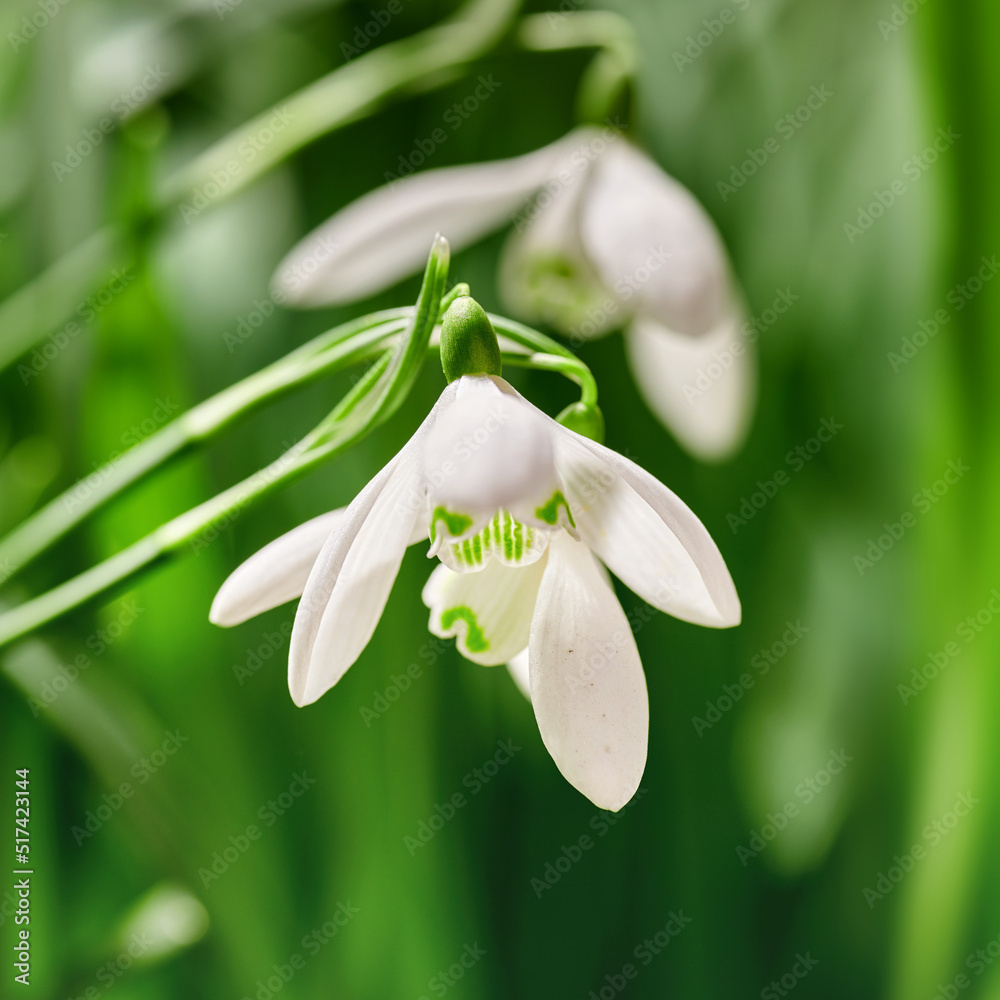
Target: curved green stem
352,91
575,370
194,528
547,354
576,29
456,292
611,69
528,337
347,344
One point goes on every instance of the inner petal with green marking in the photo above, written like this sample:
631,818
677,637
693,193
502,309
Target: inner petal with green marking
455,524
489,613
475,641
504,539
549,512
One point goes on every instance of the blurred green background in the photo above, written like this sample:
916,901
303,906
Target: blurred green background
197,721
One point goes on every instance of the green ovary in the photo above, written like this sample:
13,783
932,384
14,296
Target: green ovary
549,511
475,641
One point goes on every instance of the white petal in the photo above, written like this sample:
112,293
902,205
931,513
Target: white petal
351,579
490,449
384,235
652,241
646,535
703,389
545,275
518,667
587,684
643,532
489,613
275,574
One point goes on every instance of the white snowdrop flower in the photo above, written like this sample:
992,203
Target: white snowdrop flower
522,515
602,238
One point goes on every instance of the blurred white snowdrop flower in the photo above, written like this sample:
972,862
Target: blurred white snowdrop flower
602,239
167,919
523,515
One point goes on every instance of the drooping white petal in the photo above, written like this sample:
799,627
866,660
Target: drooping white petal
489,613
488,450
545,275
351,579
349,593
587,685
652,242
702,388
384,235
275,574
518,667
646,535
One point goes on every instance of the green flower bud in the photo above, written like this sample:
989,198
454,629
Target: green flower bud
468,341
585,420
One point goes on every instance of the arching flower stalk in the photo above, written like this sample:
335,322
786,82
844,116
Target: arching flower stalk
602,239
522,514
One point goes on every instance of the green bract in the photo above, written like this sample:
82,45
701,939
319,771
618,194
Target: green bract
468,341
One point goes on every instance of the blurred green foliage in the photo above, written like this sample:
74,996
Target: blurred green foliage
100,693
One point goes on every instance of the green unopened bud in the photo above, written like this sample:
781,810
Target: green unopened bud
585,420
468,341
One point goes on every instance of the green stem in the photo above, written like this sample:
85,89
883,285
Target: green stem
347,344
555,356
352,91
575,370
527,337
612,68
456,292
191,528
577,29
